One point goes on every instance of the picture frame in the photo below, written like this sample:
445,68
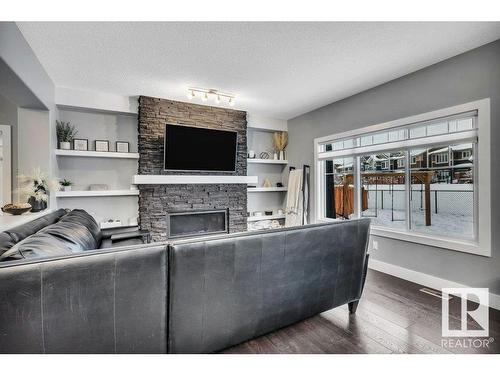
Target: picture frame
101,145
122,146
80,144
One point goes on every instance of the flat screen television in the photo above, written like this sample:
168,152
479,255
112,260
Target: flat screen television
189,148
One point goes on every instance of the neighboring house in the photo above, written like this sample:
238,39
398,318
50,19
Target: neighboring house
458,158
418,159
439,157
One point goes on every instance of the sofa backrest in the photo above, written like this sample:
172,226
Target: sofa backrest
227,290
110,301
191,296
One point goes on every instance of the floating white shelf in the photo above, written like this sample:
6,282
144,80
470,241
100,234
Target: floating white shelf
95,193
192,179
265,190
266,161
97,154
265,217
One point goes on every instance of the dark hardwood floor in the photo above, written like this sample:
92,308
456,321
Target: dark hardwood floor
393,316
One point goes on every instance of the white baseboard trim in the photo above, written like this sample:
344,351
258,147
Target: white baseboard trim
424,279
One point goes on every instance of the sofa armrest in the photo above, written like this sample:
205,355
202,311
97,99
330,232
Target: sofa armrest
108,232
143,234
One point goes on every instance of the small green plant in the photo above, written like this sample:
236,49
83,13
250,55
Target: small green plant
66,183
65,131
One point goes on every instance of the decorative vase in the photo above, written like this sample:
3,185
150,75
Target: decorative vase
275,156
37,206
66,188
65,145
282,155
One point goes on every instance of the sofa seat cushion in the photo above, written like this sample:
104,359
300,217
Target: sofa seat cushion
14,235
62,238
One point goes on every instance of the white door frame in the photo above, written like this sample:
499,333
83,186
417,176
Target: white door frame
6,166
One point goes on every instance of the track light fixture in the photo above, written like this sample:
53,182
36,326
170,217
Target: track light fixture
205,94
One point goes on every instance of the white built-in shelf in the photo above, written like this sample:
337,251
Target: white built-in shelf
265,217
97,154
95,193
266,189
266,161
192,179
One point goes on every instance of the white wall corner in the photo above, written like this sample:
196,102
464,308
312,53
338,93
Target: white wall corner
73,98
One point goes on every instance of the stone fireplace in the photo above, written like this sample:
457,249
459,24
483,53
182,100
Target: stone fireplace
159,203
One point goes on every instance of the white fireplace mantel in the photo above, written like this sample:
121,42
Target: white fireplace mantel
144,179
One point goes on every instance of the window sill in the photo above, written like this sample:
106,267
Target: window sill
424,239
429,240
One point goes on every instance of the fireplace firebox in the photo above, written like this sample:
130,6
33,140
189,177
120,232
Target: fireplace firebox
197,223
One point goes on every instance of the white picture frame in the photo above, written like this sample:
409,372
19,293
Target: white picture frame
102,146
122,146
80,144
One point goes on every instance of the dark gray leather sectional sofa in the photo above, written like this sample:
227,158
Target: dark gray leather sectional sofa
191,296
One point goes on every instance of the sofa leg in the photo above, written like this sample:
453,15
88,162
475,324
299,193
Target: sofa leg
353,306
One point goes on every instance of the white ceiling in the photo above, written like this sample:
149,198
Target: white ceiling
278,70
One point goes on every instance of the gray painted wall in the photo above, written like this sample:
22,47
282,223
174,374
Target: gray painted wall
467,77
26,83
8,116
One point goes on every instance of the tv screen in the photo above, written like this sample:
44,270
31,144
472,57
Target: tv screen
190,148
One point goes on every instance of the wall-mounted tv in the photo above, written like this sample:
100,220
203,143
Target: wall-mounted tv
189,148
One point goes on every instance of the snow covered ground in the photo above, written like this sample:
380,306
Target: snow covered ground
443,224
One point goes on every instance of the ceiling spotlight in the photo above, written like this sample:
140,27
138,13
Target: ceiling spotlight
205,94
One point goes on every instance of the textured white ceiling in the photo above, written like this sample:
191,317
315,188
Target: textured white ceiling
279,70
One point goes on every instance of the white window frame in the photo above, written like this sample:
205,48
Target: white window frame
482,190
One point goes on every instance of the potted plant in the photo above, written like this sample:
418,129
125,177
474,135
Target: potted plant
280,141
36,188
65,134
65,185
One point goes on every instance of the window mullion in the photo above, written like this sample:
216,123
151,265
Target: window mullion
407,190
357,186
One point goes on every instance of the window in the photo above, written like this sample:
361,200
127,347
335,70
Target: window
383,190
433,199
442,199
441,157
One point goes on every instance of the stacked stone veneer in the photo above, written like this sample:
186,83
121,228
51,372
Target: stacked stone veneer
155,201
